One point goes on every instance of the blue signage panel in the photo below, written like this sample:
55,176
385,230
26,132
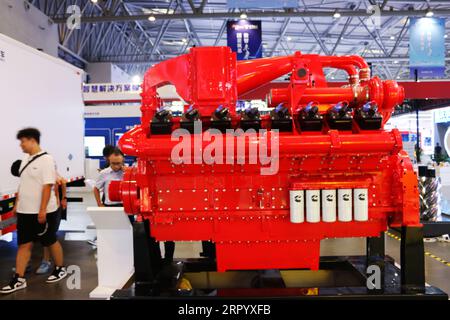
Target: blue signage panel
427,47
244,37
259,4
101,131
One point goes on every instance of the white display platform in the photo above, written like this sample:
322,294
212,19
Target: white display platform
115,260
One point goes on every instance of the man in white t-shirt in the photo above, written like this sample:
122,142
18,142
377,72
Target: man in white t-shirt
36,209
114,172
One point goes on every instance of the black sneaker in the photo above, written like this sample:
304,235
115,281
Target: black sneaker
58,274
17,283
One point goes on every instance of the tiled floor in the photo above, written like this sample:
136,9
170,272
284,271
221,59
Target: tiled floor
78,229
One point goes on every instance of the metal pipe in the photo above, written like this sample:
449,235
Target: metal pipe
344,61
323,95
261,14
135,143
353,76
254,73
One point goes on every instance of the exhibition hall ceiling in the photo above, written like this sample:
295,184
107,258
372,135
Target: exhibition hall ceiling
136,34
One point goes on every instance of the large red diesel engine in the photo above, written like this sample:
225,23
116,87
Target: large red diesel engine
338,172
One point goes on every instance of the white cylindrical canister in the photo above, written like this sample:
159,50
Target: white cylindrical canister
345,205
329,205
312,205
297,203
361,204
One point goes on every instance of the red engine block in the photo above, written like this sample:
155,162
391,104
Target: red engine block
246,214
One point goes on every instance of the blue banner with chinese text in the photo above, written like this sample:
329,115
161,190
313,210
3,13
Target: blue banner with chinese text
245,38
427,47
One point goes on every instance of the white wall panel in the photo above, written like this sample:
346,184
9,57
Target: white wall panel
44,92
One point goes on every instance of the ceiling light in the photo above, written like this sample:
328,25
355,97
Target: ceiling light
243,15
392,37
336,15
184,40
288,38
136,79
429,13
158,11
395,61
151,18
445,36
94,1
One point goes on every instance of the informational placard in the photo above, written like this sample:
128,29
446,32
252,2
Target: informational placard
258,4
427,47
245,38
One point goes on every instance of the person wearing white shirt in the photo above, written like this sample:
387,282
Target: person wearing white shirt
114,172
36,209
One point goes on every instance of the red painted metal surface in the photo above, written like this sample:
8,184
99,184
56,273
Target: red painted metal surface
8,229
245,213
413,90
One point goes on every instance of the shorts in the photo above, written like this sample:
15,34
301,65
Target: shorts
30,230
59,214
